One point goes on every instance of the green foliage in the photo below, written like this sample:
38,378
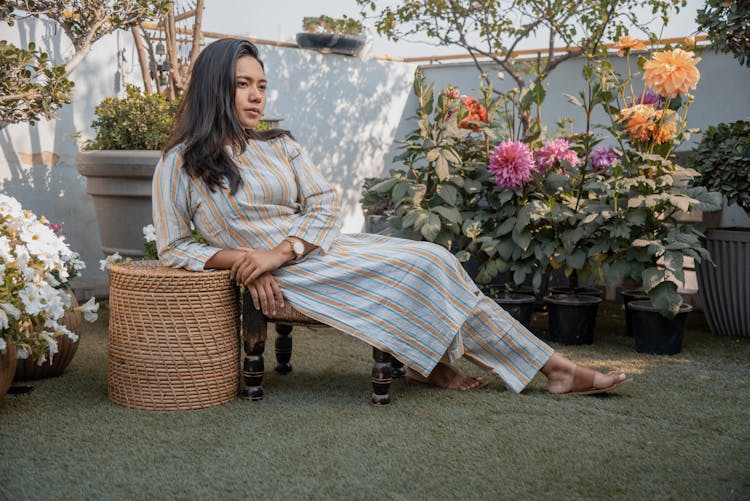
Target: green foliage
723,160
139,121
376,201
493,29
438,197
326,24
727,24
30,85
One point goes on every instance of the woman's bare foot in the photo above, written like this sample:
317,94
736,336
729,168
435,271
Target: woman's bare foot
566,378
445,376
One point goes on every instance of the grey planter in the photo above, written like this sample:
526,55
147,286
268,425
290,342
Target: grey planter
725,288
119,183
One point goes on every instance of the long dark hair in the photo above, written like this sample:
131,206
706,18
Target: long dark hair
206,120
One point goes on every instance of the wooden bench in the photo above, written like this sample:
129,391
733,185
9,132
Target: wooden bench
254,329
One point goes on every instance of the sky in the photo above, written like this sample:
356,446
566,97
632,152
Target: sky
280,20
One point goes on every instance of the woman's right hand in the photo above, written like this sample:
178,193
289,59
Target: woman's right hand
266,293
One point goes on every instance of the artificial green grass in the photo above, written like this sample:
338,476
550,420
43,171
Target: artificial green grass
678,431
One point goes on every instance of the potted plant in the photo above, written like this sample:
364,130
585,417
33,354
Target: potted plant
723,160
119,164
36,266
377,206
336,35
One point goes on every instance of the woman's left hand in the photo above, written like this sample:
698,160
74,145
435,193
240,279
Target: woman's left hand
266,294
253,263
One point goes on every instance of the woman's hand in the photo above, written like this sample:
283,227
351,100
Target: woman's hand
252,263
265,293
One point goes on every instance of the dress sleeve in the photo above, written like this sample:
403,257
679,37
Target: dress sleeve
172,210
320,224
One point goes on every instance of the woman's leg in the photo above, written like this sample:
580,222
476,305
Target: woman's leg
495,340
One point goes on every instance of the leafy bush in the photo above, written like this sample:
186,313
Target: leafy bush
728,27
326,24
139,121
723,159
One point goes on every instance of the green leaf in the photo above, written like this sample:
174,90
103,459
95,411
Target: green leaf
432,227
450,213
448,192
442,169
652,277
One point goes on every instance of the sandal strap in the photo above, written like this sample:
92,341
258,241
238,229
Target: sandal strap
583,379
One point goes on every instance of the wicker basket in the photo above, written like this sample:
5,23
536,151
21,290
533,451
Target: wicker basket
173,337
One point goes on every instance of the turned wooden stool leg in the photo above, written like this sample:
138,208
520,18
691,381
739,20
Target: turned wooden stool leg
381,377
283,348
397,368
254,334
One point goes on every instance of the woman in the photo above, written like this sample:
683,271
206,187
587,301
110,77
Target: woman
270,217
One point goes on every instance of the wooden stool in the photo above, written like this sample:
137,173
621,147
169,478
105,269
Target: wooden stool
254,327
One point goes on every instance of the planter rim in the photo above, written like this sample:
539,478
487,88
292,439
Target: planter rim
572,300
118,163
640,293
645,305
729,234
514,298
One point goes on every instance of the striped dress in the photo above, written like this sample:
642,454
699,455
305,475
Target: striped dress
412,299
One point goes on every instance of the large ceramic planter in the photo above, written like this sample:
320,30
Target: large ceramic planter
572,319
119,183
654,333
349,45
519,306
725,288
8,363
27,369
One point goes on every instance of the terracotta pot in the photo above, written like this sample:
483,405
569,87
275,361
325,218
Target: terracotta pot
8,362
29,369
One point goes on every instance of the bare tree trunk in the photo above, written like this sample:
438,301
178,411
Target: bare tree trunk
174,69
196,33
142,58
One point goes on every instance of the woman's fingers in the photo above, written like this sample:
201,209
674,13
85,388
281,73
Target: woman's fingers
266,294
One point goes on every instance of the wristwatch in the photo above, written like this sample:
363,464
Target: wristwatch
298,248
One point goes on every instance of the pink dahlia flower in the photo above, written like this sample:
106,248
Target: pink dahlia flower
551,154
512,164
602,157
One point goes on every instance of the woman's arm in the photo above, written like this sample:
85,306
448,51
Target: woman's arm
320,224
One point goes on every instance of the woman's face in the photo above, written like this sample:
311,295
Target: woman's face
250,93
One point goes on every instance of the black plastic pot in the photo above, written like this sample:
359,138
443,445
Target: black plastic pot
628,296
578,291
572,318
654,333
519,306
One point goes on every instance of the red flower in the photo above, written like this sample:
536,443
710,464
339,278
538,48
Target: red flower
477,113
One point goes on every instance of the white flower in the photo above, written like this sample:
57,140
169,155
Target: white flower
10,310
149,233
3,344
22,352
4,322
89,310
105,263
61,330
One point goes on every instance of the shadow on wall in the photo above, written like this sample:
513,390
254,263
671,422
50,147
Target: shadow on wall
38,165
345,111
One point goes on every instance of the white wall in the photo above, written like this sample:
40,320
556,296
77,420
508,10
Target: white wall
344,110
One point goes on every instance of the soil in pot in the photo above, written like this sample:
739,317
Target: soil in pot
572,318
628,296
519,306
654,333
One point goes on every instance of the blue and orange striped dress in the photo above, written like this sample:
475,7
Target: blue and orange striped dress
412,299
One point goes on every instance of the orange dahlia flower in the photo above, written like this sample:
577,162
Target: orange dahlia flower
639,124
477,113
672,72
626,44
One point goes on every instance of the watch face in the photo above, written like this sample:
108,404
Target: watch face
298,248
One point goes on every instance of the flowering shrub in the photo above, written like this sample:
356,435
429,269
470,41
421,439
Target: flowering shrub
35,268
440,191
602,211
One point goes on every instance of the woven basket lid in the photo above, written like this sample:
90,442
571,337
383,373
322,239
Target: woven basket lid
154,276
